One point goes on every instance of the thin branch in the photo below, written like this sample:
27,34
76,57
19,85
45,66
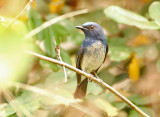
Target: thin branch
53,21
89,76
21,13
57,49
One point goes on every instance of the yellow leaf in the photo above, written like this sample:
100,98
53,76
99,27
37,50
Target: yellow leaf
34,4
23,17
107,107
56,5
134,69
140,40
145,0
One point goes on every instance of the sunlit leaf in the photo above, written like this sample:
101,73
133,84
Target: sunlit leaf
123,16
5,110
106,106
154,11
13,59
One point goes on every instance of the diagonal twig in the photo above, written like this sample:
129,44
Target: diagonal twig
53,21
24,9
57,49
89,76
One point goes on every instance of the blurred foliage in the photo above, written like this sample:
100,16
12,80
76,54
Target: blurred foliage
134,48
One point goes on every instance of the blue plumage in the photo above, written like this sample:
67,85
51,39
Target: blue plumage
91,55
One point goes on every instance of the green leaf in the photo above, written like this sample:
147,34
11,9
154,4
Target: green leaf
123,16
80,19
6,110
147,110
49,65
93,88
110,26
139,100
48,43
130,32
154,11
118,50
35,20
65,57
119,105
106,76
27,101
110,97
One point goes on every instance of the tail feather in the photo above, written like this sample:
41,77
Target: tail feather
81,89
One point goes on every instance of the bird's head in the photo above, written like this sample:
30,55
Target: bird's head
92,29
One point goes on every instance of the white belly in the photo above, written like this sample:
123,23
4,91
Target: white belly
93,57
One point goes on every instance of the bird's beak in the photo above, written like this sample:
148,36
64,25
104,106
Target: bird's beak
80,27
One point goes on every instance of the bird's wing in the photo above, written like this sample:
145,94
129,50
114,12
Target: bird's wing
106,52
78,63
104,59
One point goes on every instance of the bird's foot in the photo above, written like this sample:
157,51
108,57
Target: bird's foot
101,81
91,77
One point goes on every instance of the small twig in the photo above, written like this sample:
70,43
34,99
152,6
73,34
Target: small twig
99,81
21,13
57,49
53,21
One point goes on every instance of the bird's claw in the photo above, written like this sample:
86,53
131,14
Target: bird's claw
101,81
91,77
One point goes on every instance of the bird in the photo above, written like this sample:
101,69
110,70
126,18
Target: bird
91,55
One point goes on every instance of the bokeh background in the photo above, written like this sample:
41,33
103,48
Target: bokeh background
33,87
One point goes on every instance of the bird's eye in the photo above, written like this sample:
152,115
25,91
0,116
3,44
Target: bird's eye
92,26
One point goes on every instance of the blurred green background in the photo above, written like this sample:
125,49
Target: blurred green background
132,66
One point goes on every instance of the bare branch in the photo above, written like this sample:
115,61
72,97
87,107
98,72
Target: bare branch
53,21
89,76
21,13
57,49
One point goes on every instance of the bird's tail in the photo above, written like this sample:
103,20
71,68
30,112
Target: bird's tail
81,89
